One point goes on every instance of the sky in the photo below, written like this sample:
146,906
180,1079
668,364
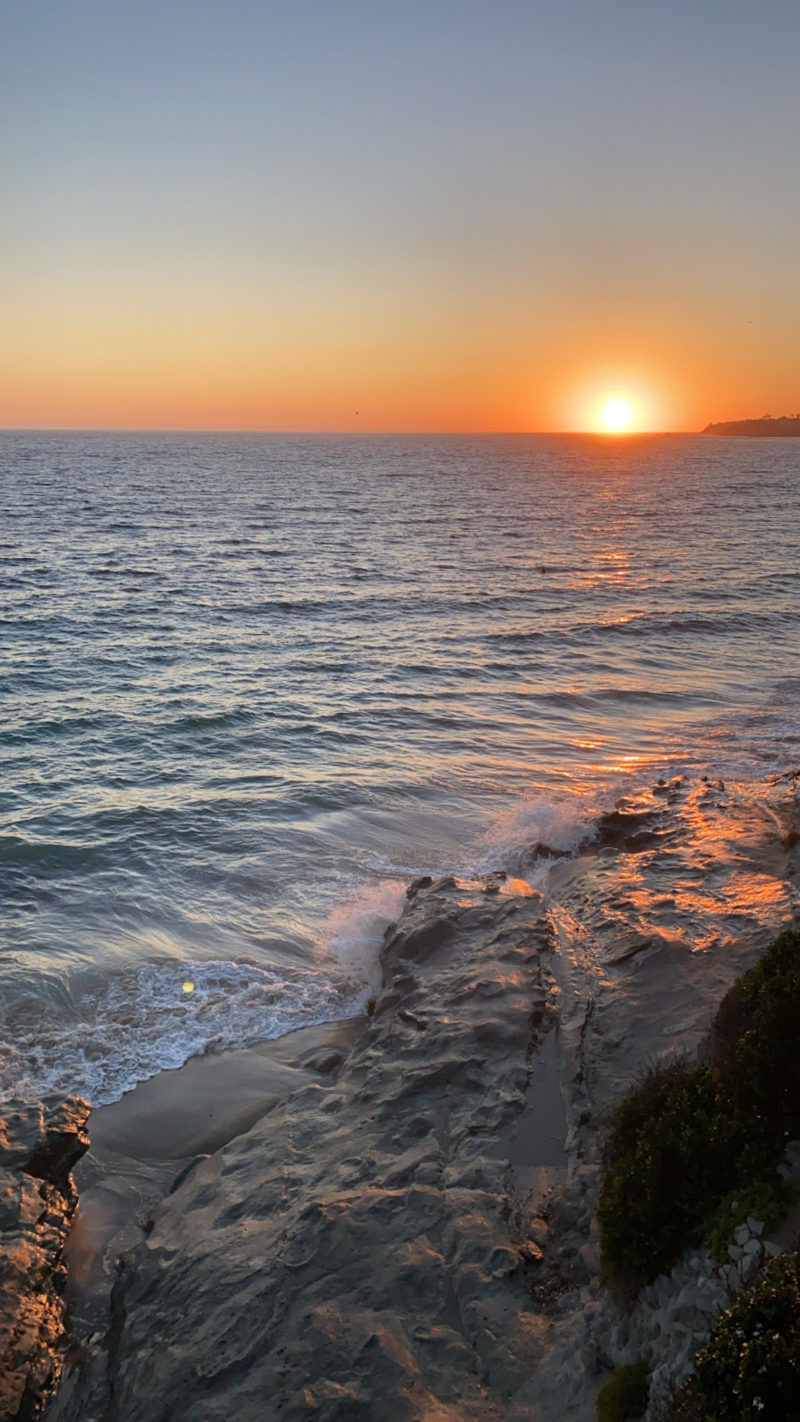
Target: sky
374,215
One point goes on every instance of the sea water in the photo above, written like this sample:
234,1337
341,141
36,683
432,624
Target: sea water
251,685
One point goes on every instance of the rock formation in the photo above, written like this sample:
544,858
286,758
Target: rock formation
356,1253
412,1234
40,1142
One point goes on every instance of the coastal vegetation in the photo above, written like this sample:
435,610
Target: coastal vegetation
750,1365
691,1142
779,426
624,1397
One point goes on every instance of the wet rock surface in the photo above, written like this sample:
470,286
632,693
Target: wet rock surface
704,900
357,1253
414,1234
40,1142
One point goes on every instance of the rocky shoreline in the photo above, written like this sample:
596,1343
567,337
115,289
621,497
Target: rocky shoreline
354,1253
408,1232
40,1143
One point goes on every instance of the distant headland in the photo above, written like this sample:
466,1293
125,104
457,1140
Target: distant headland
781,426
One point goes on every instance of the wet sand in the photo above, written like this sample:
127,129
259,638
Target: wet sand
141,1145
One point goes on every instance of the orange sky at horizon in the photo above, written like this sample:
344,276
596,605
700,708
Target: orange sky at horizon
168,380
255,225
198,363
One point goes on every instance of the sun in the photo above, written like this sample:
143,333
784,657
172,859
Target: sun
617,416
617,401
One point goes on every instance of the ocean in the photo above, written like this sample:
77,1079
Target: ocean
253,684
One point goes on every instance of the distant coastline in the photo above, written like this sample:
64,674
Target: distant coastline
781,426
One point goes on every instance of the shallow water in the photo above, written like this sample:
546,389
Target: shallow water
252,684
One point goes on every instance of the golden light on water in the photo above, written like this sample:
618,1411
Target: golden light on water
188,986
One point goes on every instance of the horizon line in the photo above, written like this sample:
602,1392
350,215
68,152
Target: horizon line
357,433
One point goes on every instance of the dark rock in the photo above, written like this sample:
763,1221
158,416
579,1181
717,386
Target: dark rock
413,1021
324,1062
418,941
631,831
423,882
547,851
185,1172
39,1144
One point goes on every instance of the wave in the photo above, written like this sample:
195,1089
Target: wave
579,633
100,1036
531,835
21,855
154,1017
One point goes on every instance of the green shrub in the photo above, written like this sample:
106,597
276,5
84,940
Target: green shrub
689,1140
759,1075
624,1397
750,1366
664,1172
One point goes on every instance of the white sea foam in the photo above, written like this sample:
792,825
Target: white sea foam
154,1017
520,839
353,931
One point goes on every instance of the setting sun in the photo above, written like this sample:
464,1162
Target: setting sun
617,416
617,398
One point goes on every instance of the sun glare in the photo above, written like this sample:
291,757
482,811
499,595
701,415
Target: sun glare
616,399
617,416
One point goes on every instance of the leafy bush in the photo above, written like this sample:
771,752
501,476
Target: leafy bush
664,1172
624,1398
759,1075
689,1139
750,1366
